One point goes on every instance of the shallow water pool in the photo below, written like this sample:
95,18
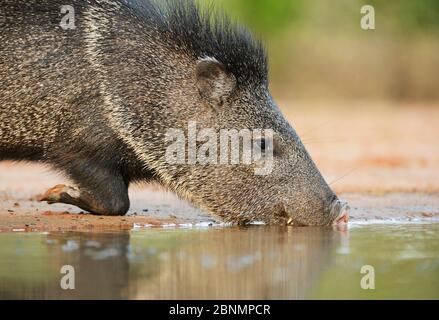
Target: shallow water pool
257,262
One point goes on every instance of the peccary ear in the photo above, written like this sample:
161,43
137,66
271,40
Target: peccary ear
215,84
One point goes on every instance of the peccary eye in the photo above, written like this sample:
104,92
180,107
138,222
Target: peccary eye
268,146
262,145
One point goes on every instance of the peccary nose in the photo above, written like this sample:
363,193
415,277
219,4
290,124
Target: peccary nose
340,212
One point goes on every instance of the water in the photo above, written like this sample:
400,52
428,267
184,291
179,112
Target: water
257,262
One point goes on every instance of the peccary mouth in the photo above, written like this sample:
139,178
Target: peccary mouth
340,210
292,222
338,215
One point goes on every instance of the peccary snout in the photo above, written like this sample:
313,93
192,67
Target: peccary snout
340,210
308,200
337,214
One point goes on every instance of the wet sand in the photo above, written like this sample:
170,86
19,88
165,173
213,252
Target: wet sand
384,161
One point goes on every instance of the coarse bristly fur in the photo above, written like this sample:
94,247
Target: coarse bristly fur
95,102
204,33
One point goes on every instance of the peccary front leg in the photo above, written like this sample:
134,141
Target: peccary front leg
101,195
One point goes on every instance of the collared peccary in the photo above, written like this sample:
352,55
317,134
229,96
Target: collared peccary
95,100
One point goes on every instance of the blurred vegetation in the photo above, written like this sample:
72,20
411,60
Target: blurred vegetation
319,51
410,16
266,17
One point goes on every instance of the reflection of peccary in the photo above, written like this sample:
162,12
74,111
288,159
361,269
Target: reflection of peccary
96,101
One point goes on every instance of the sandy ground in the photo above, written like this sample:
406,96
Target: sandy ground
384,160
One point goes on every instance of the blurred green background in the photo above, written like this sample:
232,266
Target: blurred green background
318,50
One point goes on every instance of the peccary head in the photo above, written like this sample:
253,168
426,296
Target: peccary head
280,184
213,78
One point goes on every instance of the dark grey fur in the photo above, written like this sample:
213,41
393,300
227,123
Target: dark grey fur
95,103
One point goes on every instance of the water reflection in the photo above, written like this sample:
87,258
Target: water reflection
32,270
225,263
251,263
